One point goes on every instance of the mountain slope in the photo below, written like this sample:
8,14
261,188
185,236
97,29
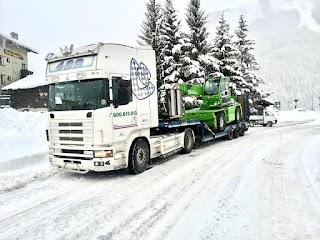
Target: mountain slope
287,34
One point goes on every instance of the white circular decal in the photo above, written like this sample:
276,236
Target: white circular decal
104,102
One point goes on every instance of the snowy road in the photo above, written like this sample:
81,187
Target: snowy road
256,187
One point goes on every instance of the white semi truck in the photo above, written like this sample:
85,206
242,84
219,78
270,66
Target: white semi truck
103,111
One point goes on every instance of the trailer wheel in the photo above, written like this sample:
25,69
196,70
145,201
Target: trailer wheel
230,134
236,132
139,157
269,124
237,115
188,141
221,123
242,130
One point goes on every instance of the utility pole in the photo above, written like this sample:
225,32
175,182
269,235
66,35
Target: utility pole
296,101
312,96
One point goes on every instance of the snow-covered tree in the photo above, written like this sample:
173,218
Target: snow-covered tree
247,61
151,31
171,43
190,69
196,20
227,54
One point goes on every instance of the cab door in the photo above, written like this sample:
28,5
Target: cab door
224,90
123,107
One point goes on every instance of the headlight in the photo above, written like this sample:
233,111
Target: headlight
103,154
51,151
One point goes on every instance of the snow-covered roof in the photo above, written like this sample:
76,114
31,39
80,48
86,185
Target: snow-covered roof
19,43
265,102
30,81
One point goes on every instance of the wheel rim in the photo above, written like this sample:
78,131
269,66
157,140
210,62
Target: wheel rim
221,121
188,141
141,156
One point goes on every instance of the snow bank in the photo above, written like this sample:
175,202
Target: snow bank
23,149
21,134
295,115
310,160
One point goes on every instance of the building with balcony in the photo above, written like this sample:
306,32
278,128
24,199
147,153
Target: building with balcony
13,59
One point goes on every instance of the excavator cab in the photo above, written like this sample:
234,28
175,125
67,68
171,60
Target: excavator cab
215,92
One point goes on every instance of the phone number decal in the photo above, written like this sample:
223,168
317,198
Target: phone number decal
124,114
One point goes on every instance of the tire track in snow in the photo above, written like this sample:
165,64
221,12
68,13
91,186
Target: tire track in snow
111,208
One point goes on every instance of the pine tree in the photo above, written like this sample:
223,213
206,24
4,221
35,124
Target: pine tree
170,43
226,54
151,26
189,69
151,31
247,62
196,20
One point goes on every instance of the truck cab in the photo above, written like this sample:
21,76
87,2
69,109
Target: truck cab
101,100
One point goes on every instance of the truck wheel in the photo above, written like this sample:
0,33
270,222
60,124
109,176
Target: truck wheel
139,157
221,123
237,115
242,130
269,124
188,141
230,134
236,132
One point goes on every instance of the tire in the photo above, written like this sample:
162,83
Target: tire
230,134
139,157
221,123
269,124
237,115
242,130
236,132
188,141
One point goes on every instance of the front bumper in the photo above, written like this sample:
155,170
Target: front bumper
84,166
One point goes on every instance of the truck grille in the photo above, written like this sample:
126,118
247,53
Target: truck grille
71,124
71,131
70,137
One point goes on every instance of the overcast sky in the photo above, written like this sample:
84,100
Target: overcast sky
46,25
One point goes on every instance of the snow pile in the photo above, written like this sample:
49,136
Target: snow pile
296,116
310,160
21,134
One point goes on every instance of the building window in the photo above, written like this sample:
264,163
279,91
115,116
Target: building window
3,77
43,95
24,66
9,78
8,60
1,60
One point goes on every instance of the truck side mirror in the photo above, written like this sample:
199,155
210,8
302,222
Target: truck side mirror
115,92
224,93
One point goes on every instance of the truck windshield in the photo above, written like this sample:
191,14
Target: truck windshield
211,87
79,95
